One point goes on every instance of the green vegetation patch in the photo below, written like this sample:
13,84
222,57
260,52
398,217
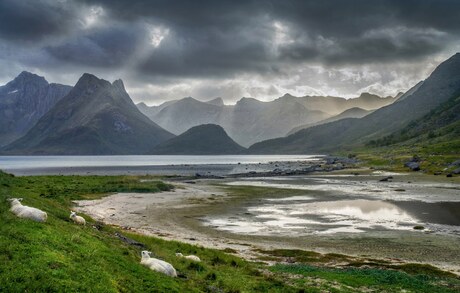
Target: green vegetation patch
353,279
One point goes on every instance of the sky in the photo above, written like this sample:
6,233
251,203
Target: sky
167,49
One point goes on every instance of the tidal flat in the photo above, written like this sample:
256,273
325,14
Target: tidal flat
408,218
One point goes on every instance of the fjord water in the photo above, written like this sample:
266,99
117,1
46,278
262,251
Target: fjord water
12,163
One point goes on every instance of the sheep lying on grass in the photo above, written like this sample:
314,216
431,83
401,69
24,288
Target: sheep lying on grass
26,212
189,257
77,219
157,264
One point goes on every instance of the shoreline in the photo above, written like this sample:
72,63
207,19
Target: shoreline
176,215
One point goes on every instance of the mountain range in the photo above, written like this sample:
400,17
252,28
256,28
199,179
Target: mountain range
349,113
23,101
250,120
443,84
95,118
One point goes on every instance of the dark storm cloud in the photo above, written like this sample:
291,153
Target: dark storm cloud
106,47
34,20
165,42
209,39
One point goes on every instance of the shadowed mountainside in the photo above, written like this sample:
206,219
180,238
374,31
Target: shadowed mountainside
207,139
95,118
23,101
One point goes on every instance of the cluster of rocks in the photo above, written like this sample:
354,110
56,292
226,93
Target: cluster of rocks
414,163
456,165
327,164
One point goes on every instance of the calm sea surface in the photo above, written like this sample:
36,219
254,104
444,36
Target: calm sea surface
33,162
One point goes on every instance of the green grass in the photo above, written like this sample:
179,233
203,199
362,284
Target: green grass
59,256
353,280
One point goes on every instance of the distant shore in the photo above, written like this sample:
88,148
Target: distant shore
274,167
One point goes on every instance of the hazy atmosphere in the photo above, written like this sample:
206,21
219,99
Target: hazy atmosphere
167,50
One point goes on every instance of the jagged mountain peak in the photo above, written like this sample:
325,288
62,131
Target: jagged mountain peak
88,78
28,77
217,102
95,117
366,95
119,84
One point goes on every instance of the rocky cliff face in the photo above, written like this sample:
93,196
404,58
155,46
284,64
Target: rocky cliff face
23,101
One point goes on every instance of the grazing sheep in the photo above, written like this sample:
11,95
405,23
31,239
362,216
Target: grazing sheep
26,212
77,219
157,264
190,257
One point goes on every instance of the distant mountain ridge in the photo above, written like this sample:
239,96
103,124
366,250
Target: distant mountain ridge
95,118
442,85
250,120
207,139
350,113
23,101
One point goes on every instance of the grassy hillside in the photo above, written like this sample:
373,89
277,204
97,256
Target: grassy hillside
435,138
59,256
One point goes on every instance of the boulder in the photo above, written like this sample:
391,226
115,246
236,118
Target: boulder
414,166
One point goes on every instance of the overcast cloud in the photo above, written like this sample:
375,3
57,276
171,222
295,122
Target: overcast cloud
171,49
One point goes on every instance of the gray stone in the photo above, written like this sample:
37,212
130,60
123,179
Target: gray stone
414,166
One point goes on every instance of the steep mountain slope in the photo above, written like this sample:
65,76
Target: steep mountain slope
23,101
95,118
208,139
350,113
440,124
443,84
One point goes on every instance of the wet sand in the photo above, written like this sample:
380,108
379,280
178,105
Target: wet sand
182,215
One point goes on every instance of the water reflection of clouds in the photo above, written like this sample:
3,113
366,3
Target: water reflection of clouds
347,216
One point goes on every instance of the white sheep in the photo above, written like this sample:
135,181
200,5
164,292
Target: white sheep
27,212
157,264
189,257
77,219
